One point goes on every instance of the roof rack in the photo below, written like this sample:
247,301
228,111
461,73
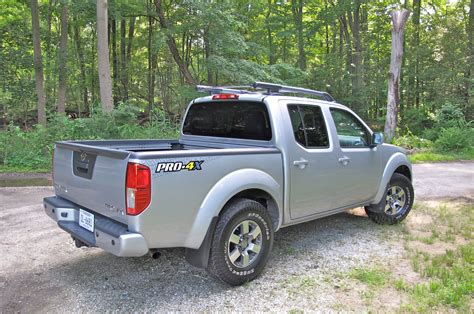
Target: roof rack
283,89
212,90
269,87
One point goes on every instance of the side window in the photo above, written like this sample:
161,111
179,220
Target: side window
350,131
309,127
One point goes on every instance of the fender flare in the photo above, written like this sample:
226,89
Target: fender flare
198,241
396,160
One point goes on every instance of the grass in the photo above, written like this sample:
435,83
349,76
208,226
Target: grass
432,156
23,169
449,281
445,280
374,277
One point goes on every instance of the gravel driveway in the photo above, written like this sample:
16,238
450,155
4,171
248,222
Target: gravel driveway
41,270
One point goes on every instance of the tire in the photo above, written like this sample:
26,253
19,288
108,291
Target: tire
396,203
243,228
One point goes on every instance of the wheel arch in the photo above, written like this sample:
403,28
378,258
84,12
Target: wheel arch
265,199
405,170
244,183
397,163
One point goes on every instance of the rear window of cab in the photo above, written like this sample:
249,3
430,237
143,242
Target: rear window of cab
230,119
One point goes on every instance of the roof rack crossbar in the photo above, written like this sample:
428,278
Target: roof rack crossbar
269,87
277,88
212,90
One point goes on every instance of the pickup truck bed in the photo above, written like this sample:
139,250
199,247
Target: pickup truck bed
92,175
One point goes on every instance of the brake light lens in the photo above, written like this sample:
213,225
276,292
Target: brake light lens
225,96
138,188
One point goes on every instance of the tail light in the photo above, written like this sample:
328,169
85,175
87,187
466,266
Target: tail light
225,96
138,188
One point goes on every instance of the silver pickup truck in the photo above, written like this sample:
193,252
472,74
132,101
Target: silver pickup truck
247,163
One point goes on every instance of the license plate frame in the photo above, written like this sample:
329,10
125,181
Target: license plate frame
86,220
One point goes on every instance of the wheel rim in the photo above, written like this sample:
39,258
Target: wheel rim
395,200
244,244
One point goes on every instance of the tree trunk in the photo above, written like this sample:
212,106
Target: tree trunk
207,54
115,62
172,45
63,61
271,49
38,63
399,19
48,72
413,81
151,68
297,8
470,64
123,59
131,30
356,55
105,82
82,66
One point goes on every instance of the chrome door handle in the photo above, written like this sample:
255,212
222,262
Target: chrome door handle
344,160
302,163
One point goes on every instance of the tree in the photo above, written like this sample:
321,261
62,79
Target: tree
82,66
413,81
297,8
105,82
399,19
356,55
63,60
38,63
470,61
172,45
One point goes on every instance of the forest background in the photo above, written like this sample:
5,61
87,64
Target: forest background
154,52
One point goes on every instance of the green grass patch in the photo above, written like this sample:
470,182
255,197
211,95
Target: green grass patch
374,277
23,169
433,156
450,281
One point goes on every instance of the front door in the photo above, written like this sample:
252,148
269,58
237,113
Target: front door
359,164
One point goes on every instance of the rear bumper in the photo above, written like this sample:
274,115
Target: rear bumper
108,234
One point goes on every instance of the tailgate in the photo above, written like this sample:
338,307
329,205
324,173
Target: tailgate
92,177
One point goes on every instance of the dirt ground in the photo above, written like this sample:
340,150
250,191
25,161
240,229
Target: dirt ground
41,270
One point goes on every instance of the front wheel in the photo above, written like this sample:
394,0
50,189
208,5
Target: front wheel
242,242
397,203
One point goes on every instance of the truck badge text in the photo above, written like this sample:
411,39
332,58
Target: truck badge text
179,165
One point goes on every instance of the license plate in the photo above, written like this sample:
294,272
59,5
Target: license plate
86,220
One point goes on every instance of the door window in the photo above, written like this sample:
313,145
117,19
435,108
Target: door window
350,131
308,125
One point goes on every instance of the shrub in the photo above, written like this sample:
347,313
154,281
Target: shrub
411,141
449,116
417,120
31,150
455,139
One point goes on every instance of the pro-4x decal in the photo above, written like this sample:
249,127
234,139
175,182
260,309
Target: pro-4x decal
176,166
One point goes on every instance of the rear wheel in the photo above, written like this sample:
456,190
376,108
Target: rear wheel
242,242
396,204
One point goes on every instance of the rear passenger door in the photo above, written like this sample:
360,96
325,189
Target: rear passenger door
310,163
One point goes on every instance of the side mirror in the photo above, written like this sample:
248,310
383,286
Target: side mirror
377,139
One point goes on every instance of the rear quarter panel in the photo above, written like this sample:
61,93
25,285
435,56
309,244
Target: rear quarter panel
184,202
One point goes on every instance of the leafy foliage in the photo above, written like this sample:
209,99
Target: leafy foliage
455,139
32,150
238,42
